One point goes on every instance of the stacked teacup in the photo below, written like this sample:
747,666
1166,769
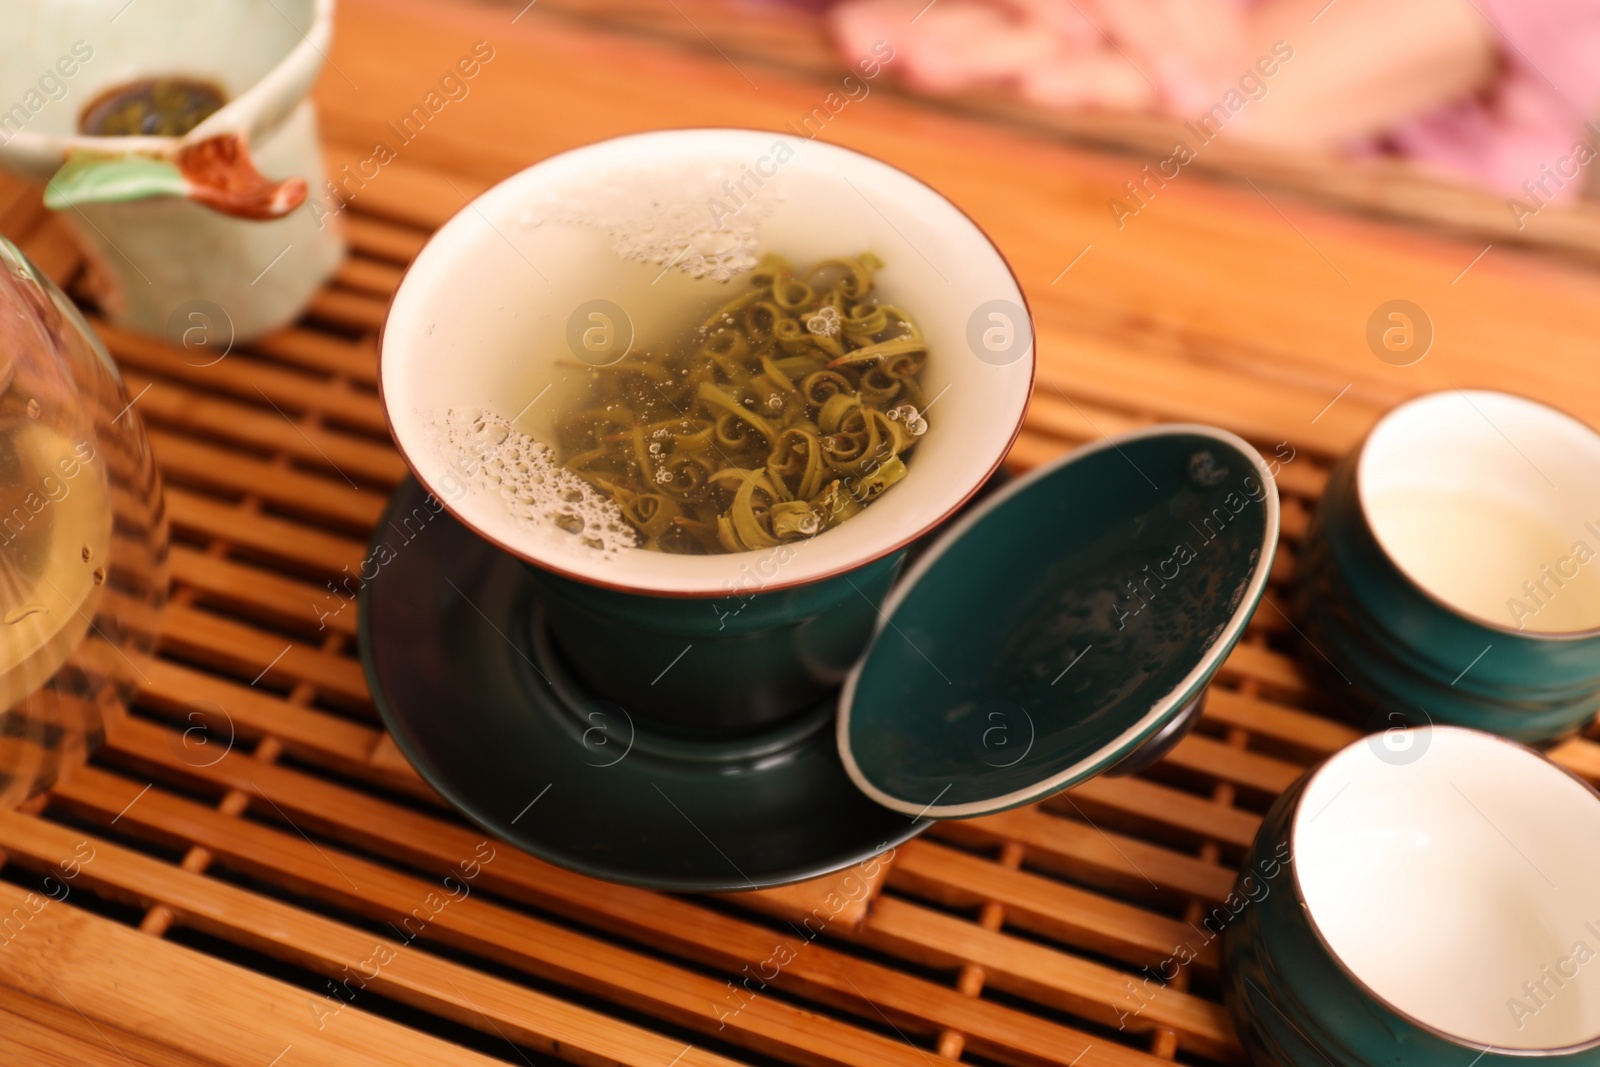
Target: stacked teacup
1431,894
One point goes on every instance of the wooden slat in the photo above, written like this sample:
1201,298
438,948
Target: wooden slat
796,902
34,1031
348,308
228,646
1183,392
354,360
1288,725
416,196
370,276
1223,762
252,713
21,209
514,1014
348,816
256,428
1580,755
255,593
382,239
288,391
197,463
552,952
1037,973
1160,812
1043,906
1083,852
72,959
1275,671
279,539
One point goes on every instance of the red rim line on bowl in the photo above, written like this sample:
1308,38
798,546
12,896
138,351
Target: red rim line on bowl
776,585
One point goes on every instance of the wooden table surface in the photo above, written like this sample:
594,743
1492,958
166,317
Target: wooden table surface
243,911
1215,303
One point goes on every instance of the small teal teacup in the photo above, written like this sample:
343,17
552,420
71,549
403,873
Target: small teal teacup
1427,897
1452,570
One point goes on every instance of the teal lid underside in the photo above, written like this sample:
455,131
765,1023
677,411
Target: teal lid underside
1044,638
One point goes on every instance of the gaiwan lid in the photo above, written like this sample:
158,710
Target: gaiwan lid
1062,624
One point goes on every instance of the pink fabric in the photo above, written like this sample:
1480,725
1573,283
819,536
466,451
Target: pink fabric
1534,115
1531,118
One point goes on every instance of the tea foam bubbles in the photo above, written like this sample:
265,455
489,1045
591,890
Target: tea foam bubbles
675,217
489,455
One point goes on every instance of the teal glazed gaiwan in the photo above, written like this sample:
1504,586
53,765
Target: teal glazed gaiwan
1063,627
481,357
717,666
1408,639
1418,900
674,711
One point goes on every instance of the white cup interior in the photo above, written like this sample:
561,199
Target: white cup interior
1462,886
1490,503
480,323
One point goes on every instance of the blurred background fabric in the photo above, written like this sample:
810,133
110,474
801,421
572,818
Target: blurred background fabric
1475,117
1498,92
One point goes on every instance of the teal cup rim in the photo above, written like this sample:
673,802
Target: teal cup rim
1359,460
1294,820
1150,724
1406,649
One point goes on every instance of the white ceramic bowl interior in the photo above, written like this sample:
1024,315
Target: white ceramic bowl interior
263,53
1461,885
480,323
1490,503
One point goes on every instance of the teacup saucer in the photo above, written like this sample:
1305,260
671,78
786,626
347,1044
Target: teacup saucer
480,703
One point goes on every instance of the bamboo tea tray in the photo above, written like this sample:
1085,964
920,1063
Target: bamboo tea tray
268,882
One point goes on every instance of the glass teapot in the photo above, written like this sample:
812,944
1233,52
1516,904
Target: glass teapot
83,536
